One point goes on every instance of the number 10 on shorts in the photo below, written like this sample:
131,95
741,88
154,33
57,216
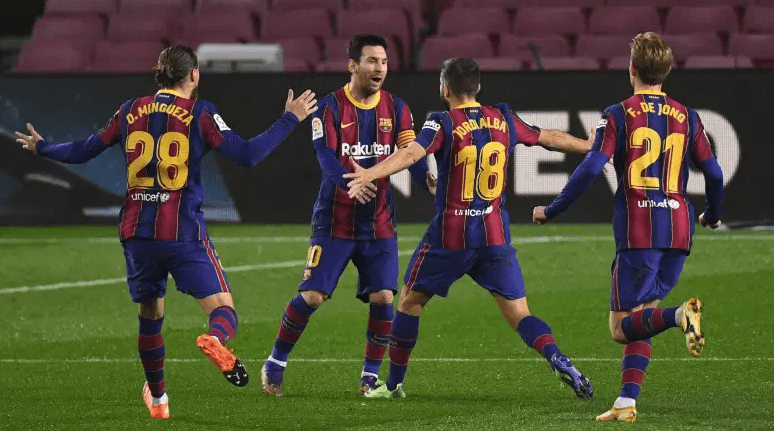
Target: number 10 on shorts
312,260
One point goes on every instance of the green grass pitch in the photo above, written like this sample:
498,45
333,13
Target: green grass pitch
68,350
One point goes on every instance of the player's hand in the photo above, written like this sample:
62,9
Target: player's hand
704,223
539,215
609,162
302,107
29,142
432,182
361,188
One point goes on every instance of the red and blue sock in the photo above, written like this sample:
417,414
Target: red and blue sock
150,344
294,320
636,357
537,334
649,322
223,324
403,337
380,318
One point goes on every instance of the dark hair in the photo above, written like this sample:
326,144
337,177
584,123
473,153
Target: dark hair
461,75
652,57
358,41
175,63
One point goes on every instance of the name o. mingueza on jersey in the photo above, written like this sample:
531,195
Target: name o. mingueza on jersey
178,112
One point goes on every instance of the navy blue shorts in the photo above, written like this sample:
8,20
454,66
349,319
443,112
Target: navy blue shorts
376,262
644,275
495,268
194,266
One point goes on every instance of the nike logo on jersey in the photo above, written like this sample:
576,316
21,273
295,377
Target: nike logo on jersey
344,126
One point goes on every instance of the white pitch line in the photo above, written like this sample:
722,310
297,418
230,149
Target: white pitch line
347,360
108,281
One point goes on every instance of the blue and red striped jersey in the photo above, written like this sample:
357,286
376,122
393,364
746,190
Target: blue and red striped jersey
348,131
164,138
651,138
472,146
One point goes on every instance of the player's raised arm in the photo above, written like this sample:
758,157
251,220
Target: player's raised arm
249,153
701,155
562,141
419,171
76,151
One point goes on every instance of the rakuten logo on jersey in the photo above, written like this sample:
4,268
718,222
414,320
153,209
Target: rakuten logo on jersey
666,203
471,212
359,151
150,197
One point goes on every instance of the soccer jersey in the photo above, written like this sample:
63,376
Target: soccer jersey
366,135
472,146
164,138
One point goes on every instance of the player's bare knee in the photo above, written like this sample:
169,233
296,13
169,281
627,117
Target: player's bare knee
381,297
153,309
314,298
412,301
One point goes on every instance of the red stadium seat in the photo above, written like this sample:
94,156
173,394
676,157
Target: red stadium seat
332,66
628,20
139,27
300,48
604,46
685,45
515,4
157,6
758,19
457,21
437,49
54,56
412,8
392,24
337,49
302,23
81,27
567,63
126,56
734,3
255,6
765,2
716,62
222,26
619,63
521,46
651,3
696,19
297,5
755,46
541,21
295,65
500,64
70,7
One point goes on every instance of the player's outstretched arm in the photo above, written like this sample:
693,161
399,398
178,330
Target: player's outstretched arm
65,152
398,161
562,141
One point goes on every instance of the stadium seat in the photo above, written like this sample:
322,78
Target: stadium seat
758,19
717,62
139,27
54,56
297,5
628,20
515,4
514,46
734,3
296,65
755,46
220,26
549,20
81,27
567,63
300,48
765,2
437,49
619,63
70,7
126,56
157,6
685,45
652,3
391,23
500,64
697,19
336,49
604,46
332,66
257,7
302,23
456,21
412,8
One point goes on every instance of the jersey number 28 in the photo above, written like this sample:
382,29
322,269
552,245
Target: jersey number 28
172,154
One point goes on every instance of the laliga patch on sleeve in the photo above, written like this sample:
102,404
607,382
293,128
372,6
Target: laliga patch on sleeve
317,129
221,124
602,124
433,125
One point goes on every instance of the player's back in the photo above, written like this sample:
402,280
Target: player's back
655,136
472,146
164,146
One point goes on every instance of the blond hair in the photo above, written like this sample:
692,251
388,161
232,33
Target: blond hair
652,57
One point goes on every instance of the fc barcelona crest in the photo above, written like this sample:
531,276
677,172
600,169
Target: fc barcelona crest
385,124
